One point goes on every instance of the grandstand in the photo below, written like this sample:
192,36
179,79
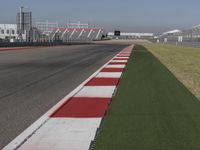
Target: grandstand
76,34
190,36
46,27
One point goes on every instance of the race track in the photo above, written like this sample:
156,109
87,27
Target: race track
34,80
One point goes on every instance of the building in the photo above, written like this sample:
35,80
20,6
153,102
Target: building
129,35
22,31
46,27
24,24
8,32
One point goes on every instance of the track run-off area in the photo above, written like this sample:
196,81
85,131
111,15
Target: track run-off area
33,80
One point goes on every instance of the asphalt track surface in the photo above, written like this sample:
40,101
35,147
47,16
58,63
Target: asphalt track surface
34,80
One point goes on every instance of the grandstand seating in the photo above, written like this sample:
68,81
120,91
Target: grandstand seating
76,34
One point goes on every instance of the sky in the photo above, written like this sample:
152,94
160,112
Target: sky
155,16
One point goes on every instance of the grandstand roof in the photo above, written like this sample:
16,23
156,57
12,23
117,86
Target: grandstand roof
197,26
172,32
62,29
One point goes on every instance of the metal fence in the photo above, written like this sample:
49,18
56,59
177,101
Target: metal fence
179,40
188,37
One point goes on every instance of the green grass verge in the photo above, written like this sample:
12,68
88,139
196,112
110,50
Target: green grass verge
183,61
152,110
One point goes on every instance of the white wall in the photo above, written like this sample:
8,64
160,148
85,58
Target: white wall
132,34
8,30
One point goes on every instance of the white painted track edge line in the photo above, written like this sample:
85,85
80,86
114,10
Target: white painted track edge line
26,134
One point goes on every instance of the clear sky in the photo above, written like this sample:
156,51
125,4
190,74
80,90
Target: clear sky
126,15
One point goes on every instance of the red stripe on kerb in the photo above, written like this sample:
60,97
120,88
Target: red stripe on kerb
83,108
112,70
103,82
118,63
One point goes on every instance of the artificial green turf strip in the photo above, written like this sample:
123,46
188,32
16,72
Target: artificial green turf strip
152,110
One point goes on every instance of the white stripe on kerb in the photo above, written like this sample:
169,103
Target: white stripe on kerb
96,91
109,75
115,66
64,134
122,57
119,61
